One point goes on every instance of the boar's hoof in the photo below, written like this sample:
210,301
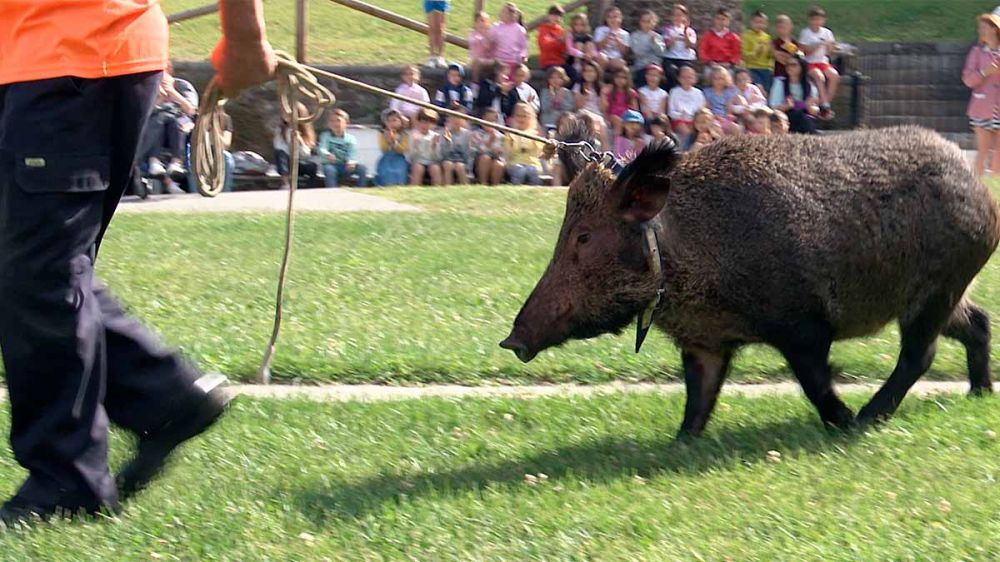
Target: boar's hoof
872,415
685,435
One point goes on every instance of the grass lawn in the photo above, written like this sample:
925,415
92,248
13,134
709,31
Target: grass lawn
403,297
342,36
445,480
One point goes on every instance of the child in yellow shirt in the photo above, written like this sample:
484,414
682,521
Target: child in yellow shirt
758,57
523,156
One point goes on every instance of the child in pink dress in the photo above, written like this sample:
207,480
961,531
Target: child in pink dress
509,38
480,47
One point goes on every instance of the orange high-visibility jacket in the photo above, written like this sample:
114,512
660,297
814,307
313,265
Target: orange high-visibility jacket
85,38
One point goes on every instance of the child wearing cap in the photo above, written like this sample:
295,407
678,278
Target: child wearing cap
630,142
646,45
454,94
552,39
653,98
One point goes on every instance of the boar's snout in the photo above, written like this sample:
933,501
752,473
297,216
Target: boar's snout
542,323
518,347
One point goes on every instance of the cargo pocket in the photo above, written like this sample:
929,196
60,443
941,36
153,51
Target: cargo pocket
62,173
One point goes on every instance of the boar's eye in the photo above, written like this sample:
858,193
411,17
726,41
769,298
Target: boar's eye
583,238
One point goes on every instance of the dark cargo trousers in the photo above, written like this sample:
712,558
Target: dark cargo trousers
74,360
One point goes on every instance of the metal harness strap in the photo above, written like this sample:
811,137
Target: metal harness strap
654,260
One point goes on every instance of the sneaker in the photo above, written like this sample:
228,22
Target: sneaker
440,62
826,114
174,190
431,62
154,448
156,168
176,168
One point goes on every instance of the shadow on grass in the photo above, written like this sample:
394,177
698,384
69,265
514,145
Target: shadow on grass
603,460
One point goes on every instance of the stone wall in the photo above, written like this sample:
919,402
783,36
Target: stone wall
256,112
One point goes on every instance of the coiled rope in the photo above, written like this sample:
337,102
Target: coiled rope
297,82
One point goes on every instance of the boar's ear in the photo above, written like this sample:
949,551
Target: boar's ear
641,189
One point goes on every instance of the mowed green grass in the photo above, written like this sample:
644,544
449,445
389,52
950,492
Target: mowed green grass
402,298
339,35
445,480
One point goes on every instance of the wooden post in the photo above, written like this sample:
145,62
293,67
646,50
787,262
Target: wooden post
397,19
301,29
193,13
478,6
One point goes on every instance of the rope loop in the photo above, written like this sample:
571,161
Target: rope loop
207,150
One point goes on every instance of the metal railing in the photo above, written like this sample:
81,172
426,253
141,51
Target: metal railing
302,20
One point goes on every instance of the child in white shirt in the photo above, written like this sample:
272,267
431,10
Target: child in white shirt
685,101
817,43
652,97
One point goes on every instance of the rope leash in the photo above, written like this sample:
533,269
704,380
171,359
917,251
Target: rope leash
297,81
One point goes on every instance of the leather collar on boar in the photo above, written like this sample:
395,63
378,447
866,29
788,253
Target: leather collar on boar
793,241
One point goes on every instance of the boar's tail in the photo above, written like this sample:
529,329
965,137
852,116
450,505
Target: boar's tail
655,162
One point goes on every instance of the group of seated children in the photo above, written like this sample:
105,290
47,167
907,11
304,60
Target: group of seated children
784,85
456,154
756,65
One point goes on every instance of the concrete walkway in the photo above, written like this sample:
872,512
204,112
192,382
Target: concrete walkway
375,393
326,200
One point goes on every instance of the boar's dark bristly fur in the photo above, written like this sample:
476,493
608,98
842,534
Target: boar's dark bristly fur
793,241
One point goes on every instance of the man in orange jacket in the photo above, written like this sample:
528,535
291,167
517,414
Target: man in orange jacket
77,82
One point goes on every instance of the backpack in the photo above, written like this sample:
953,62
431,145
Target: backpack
249,163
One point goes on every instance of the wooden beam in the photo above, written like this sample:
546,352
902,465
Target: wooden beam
301,29
478,6
193,13
576,4
397,19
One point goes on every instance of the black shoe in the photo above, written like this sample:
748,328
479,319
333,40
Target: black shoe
16,511
153,449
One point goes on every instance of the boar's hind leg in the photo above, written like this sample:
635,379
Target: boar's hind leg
806,347
916,351
704,373
970,325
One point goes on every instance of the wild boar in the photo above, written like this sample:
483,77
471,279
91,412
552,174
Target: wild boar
791,241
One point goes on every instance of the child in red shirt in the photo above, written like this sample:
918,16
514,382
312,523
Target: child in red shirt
552,39
720,45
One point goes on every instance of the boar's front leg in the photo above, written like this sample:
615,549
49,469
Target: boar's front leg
704,373
806,347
